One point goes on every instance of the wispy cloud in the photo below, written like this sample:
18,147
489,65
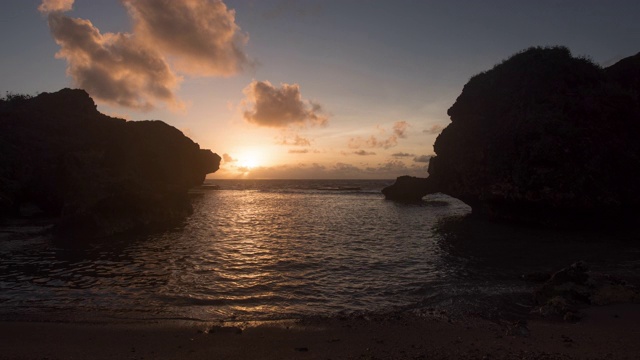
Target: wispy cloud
422,158
387,170
364,153
227,158
372,142
133,69
402,154
298,151
434,130
399,130
293,140
398,168
281,107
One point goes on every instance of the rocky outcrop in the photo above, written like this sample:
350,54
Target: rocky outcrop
406,189
574,287
545,138
97,174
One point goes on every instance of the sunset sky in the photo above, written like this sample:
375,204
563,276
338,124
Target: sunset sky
294,89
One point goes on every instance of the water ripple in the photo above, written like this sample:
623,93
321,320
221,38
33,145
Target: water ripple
257,254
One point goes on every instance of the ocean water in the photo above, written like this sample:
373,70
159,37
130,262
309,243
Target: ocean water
276,249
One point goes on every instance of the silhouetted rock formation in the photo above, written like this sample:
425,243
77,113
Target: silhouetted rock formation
406,189
100,175
545,138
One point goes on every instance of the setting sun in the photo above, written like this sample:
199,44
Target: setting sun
250,159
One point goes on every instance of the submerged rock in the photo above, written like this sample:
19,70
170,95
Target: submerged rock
574,287
545,138
99,175
569,284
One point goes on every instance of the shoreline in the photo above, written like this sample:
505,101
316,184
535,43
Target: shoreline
605,332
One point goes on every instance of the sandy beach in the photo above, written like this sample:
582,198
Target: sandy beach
608,332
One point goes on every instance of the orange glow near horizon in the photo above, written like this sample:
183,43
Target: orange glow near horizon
250,159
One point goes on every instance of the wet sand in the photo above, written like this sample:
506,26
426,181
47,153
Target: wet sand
608,332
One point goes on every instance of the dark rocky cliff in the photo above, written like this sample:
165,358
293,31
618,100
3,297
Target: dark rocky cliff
97,174
544,138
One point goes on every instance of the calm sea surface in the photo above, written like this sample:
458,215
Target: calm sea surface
275,249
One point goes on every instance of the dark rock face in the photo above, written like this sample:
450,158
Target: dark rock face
406,189
545,138
100,175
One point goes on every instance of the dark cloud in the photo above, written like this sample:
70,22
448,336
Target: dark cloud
298,151
422,158
402,154
364,153
280,107
131,69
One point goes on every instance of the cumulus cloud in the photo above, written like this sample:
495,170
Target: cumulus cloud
49,6
227,158
402,154
364,153
280,107
296,140
113,67
199,37
422,158
201,34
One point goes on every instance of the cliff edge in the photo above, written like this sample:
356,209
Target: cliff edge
544,138
97,175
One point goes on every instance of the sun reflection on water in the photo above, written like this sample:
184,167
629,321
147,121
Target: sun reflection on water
264,255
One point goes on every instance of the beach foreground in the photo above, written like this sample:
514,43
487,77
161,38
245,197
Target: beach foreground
608,332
